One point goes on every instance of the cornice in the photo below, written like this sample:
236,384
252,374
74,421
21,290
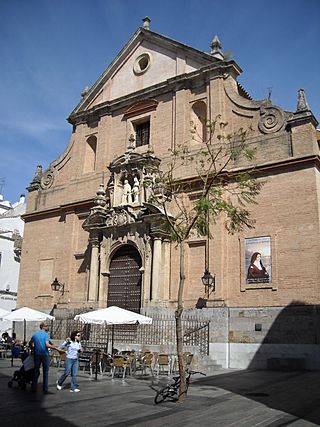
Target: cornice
58,210
258,171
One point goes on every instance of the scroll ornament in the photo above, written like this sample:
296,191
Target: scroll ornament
47,179
272,119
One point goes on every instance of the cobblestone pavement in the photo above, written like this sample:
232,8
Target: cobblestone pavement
229,398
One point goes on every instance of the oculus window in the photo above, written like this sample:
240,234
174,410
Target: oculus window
142,63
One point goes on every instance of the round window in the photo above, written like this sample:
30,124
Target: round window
142,63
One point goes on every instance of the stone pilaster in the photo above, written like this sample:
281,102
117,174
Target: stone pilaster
94,270
156,265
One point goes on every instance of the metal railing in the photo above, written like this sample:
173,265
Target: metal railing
161,332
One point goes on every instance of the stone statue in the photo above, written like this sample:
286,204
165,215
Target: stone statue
126,193
135,190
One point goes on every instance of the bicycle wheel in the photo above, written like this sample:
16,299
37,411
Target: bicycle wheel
162,395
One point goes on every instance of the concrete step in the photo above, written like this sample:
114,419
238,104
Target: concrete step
207,365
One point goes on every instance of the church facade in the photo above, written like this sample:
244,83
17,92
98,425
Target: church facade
91,224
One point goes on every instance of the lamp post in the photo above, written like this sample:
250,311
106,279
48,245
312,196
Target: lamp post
56,286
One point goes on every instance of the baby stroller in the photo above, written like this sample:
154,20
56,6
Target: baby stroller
24,375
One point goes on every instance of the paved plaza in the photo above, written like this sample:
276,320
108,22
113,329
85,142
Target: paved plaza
228,398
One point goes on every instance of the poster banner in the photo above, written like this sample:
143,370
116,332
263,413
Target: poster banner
258,260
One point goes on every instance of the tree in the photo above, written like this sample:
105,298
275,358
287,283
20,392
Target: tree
206,170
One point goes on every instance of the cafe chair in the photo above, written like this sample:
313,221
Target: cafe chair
106,362
95,363
119,366
84,361
147,363
61,360
164,364
188,357
54,357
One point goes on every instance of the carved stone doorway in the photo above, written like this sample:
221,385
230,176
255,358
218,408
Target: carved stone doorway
125,279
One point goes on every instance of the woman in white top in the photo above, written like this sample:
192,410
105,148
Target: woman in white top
73,347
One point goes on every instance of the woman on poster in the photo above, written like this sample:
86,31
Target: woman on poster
257,272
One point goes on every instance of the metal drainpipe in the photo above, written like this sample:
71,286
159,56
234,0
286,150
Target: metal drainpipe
228,338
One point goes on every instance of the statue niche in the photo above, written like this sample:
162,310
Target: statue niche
130,191
132,176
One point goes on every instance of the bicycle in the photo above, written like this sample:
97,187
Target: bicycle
171,391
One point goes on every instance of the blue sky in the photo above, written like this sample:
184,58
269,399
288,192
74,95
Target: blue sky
51,49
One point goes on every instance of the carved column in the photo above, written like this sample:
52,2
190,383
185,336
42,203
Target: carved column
94,269
156,265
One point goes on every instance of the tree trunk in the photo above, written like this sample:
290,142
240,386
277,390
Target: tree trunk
179,335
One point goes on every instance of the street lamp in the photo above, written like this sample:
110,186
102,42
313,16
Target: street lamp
57,286
209,282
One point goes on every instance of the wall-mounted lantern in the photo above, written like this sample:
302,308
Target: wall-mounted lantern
57,286
209,282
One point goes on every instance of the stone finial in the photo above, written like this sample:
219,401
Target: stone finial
302,104
131,143
85,91
38,174
35,183
100,199
146,23
216,48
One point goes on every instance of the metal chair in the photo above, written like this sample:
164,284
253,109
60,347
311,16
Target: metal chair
119,365
188,357
147,363
95,363
106,362
61,359
164,364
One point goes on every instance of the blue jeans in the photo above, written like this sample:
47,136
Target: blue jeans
45,361
71,366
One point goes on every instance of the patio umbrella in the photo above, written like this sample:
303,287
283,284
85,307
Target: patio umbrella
113,316
26,314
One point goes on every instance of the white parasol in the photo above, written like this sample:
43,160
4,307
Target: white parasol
26,314
113,316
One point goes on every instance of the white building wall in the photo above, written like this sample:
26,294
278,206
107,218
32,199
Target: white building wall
11,224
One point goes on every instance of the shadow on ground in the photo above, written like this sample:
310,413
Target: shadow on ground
23,408
295,393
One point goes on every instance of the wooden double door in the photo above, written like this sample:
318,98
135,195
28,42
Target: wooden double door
125,279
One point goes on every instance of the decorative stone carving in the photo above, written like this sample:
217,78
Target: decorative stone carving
98,212
272,119
17,244
135,190
139,171
126,193
35,183
131,143
47,179
119,217
302,104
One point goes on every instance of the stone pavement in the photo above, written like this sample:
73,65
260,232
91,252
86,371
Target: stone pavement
229,398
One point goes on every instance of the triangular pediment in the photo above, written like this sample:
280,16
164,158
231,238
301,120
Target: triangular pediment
146,60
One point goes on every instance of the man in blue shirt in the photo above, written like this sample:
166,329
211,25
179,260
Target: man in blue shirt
41,343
